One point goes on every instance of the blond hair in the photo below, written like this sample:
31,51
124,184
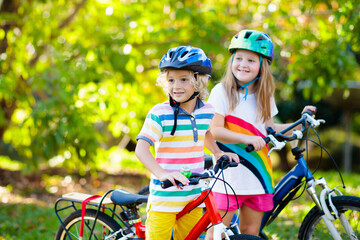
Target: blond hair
200,83
264,90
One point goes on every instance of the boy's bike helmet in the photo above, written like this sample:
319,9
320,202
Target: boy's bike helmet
255,41
186,58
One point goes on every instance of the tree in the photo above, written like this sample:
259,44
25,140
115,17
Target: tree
78,77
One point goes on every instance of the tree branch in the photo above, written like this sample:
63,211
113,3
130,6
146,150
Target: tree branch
72,15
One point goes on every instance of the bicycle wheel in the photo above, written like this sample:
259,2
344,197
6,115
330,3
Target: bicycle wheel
105,225
314,228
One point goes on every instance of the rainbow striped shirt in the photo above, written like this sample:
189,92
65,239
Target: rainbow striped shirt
184,149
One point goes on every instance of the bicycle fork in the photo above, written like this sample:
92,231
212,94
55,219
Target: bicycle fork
327,193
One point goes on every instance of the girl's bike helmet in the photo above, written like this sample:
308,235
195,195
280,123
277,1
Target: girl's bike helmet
186,58
255,41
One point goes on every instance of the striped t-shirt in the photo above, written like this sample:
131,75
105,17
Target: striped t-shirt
184,149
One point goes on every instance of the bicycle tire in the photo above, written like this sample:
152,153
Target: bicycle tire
245,237
313,228
73,221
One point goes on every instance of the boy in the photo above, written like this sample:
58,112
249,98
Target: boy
179,129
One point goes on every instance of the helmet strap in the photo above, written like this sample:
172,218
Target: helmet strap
176,105
248,83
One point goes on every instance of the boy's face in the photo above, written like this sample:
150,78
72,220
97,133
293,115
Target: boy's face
181,87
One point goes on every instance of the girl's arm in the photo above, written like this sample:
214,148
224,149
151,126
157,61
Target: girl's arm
279,127
213,147
224,135
143,153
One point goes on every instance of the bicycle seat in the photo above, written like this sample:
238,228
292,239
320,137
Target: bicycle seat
122,197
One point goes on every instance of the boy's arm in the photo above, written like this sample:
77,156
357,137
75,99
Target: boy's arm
143,153
210,144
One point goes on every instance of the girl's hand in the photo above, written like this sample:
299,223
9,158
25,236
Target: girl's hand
257,142
309,108
172,176
233,157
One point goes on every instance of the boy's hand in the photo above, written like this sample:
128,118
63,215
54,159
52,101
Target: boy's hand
172,176
233,157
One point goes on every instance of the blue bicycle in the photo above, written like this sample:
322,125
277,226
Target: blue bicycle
334,216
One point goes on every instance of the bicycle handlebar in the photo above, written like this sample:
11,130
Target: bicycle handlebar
278,140
222,163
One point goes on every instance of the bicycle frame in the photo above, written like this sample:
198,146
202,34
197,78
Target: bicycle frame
211,216
291,183
139,228
287,188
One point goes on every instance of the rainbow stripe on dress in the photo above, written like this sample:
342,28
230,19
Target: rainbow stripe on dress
258,162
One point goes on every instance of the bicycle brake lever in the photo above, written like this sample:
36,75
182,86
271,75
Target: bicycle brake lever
276,144
313,122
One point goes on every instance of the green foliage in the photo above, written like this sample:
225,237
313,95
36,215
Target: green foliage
78,77
27,221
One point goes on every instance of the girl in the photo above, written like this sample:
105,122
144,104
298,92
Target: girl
244,106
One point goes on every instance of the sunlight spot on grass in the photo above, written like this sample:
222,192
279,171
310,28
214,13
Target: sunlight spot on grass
52,189
4,193
67,179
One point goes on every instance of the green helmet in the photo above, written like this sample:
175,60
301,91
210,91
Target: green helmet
255,41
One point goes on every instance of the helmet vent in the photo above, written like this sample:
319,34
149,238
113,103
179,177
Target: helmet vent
247,35
184,53
260,38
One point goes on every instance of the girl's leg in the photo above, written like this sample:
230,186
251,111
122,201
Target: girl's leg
184,224
252,212
226,220
250,220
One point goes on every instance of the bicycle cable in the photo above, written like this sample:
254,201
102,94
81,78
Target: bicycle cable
231,188
334,162
322,148
217,178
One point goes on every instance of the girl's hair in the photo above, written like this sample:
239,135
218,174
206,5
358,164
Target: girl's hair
264,90
200,83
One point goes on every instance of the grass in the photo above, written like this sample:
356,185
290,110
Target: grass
38,220
27,221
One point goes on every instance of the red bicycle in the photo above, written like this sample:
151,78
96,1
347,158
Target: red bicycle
96,218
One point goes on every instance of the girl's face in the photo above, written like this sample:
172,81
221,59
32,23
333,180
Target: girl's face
245,65
180,85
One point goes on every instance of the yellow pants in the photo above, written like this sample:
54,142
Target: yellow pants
159,225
